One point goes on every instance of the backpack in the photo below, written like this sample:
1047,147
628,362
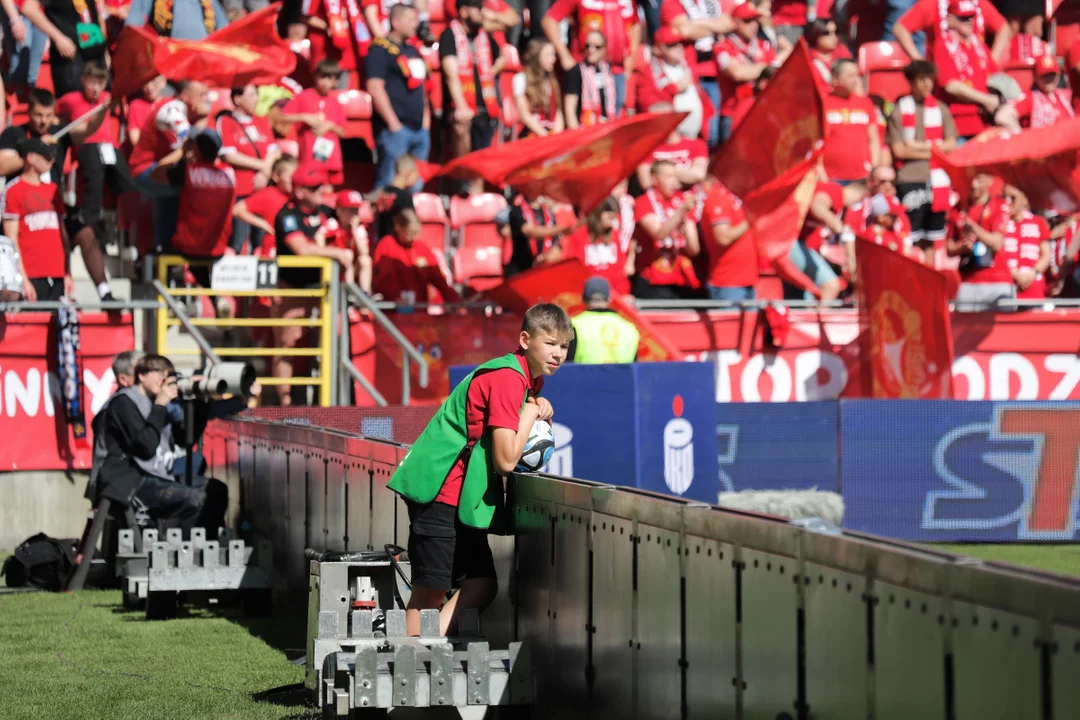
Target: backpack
41,561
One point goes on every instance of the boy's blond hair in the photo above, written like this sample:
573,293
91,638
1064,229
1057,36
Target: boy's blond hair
549,318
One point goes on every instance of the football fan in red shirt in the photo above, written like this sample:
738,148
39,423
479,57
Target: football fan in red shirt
731,246
690,156
964,64
932,16
597,246
617,20
881,226
261,209
1043,105
321,121
32,220
667,238
348,232
976,235
740,59
699,35
1026,247
852,142
404,269
138,111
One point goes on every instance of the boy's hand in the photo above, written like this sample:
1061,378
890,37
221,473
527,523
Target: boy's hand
544,411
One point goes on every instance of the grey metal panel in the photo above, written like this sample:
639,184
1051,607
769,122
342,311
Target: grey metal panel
245,467
296,569
996,663
711,630
401,522
383,512
570,605
613,616
358,511
533,580
278,489
258,501
658,680
498,618
909,652
334,519
836,643
1065,671
769,641
316,499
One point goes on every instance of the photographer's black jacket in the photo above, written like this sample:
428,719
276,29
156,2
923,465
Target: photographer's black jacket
128,437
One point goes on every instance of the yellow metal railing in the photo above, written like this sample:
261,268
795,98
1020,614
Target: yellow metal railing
325,322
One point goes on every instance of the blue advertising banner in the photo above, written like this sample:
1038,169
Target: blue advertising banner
778,446
961,471
646,425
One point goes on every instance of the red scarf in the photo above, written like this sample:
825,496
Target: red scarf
1048,109
934,132
339,20
591,77
481,56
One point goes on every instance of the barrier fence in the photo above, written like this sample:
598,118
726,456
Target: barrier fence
644,606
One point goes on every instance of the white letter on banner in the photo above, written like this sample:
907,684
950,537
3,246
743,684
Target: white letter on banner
976,380
27,396
1068,365
807,386
724,359
100,390
51,393
1002,366
776,368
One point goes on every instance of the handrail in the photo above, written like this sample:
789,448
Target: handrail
408,350
46,305
364,382
185,321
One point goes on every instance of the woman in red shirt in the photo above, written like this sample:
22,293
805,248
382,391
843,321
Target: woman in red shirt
597,247
823,39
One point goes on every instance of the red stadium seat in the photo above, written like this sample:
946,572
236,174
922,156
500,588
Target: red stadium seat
435,232
437,11
358,112
479,267
220,99
1023,74
476,209
478,261
882,64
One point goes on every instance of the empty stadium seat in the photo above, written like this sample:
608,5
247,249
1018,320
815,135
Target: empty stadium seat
1023,74
437,11
479,267
478,260
475,209
358,111
435,232
882,65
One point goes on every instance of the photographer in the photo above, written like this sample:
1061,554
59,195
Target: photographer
134,443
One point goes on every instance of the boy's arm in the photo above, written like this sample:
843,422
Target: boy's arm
507,445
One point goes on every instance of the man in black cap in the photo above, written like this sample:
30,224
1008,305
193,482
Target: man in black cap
601,335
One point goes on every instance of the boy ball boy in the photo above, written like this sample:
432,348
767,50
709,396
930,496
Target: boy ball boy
452,477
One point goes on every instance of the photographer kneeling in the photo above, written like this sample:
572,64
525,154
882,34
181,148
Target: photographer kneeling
134,435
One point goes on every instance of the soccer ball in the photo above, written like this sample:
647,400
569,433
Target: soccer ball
538,447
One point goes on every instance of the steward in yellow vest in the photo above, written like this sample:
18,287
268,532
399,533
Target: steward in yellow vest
601,335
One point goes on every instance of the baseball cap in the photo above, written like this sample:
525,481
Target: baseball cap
880,205
208,142
1046,64
667,35
597,286
745,11
963,8
349,199
309,176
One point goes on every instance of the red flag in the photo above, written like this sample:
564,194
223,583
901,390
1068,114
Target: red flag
904,326
563,283
578,166
1044,163
247,51
1052,8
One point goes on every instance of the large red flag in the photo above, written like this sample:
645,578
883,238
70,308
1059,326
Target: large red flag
246,51
563,283
905,338
1044,163
578,166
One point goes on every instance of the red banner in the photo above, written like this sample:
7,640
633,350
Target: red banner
247,51
32,414
579,167
1041,162
905,338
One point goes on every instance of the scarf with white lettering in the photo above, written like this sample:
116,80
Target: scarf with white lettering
973,75
344,23
934,132
475,52
702,10
1048,109
591,77
71,370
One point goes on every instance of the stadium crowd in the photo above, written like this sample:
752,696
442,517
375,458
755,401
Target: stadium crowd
329,161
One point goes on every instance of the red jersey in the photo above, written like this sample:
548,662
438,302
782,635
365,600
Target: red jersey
403,274
847,143
662,262
992,216
813,233
971,64
138,111
614,19
1036,109
931,16
246,135
166,128
38,209
699,53
73,106
1023,248
204,227
606,259
266,204
494,401
682,153
857,217
737,264
734,50
322,149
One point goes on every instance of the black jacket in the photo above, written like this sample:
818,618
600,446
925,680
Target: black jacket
127,436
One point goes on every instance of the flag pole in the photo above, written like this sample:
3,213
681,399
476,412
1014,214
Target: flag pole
75,123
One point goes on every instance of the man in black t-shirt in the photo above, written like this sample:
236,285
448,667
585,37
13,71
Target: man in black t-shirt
395,80
76,36
590,86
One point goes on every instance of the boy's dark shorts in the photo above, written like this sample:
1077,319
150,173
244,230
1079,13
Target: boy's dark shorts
443,551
